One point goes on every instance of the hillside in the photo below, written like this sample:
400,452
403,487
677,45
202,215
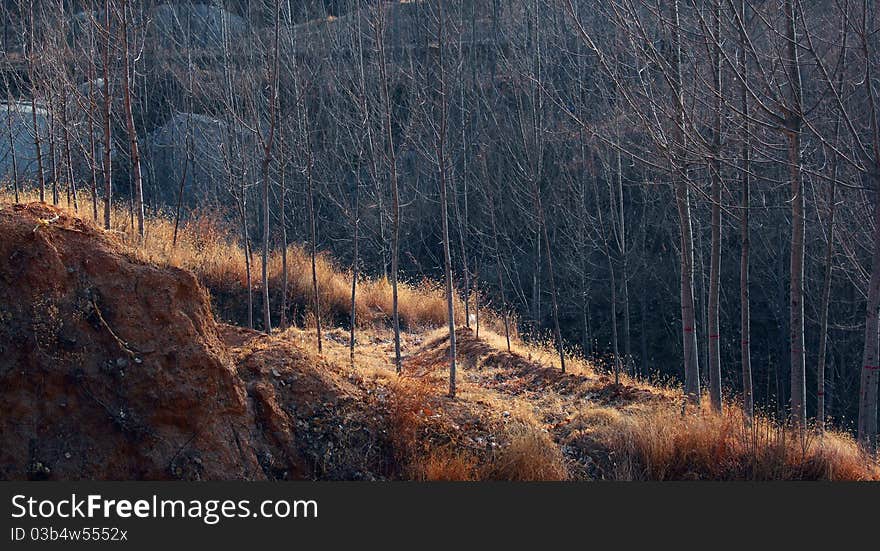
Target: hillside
644,183
114,366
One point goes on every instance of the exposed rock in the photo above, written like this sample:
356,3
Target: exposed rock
113,370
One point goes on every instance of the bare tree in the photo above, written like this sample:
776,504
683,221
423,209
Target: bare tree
745,206
440,151
107,102
267,142
134,151
714,329
792,128
384,84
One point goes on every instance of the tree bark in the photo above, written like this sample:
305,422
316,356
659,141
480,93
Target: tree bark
92,75
498,261
53,154
395,195
129,122
106,113
283,321
9,105
68,158
870,372
826,291
745,312
441,164
40,176
268,143
682,200
316,297
614,339
715,259
793,125
867,435
355,264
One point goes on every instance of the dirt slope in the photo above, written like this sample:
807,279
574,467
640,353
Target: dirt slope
115,368
111,368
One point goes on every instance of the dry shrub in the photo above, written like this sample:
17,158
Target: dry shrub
408,409
662,444
595,417
425,448
446,464
530,455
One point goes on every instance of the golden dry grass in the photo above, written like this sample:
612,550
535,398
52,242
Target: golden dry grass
632,431
530,454
659,443
207,247
446,464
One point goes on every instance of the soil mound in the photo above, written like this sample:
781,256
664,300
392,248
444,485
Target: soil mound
111,368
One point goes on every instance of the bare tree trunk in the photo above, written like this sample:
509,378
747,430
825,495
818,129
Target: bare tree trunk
688,318
129,122
105,112
32,74
619,222
829,388
627,338
92,75
745,313
53,154
283,213
355,264
68,159
498,261
537,177
614,339
826,288
477,297
247,257
715,258
188,155
93,153
643,334
392,162
553,294
829,251
268,142
183,176
682,200
586,337
441,165
9,104
462,221
870,371
796,285
314,234
870,375
367,133
745,349
40,176
536,283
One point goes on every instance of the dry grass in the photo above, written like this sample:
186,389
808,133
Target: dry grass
446,464
659,443
206,246
515,412
634,430
530,455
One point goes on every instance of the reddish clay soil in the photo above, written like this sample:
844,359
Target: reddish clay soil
111,368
